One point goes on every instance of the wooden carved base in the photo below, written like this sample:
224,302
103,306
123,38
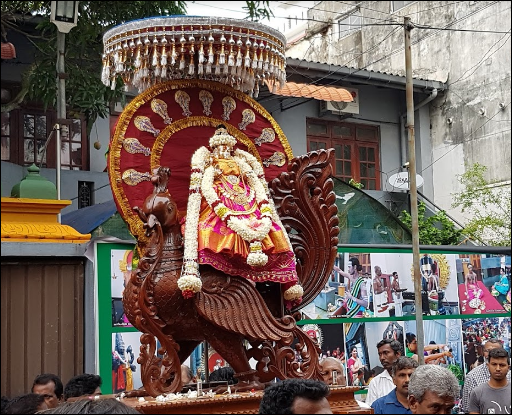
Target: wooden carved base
341,400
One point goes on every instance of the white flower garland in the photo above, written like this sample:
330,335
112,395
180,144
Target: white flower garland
189,280
293,293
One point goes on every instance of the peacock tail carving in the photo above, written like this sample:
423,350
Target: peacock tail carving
230,312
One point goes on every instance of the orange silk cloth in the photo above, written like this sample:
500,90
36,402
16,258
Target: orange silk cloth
222,248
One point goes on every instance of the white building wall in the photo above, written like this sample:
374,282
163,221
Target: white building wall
476,66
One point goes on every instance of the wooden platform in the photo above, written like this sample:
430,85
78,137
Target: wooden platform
341,400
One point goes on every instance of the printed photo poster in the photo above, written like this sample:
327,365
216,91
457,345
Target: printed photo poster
476,331
483,284
215,360
121,268
347,293
357,352
125,369
330,338
442,343
377,331
393,284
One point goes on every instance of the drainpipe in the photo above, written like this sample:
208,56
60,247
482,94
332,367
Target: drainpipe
403,139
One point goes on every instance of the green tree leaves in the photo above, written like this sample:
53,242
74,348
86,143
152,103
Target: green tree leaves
487,207
437,229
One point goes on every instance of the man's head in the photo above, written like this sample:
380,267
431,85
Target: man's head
224,374
82,385
498,363
389,351
51,387
330,365
378,270
401,372
491,344
186,375
354,266
29,403
95,406
433,389
296,396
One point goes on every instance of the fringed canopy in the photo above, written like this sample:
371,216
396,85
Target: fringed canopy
238,53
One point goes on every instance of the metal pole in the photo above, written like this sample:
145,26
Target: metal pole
413,190
61,105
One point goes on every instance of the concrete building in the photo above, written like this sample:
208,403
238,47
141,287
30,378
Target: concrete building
465,45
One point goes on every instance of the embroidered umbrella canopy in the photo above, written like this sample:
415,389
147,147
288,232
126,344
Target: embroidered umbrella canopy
238,53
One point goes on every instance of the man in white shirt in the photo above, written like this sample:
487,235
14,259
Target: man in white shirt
389,351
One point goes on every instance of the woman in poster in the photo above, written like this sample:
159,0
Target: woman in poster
411,349
353,365
503,285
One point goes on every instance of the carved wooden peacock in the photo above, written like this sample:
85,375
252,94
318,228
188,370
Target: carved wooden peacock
230,313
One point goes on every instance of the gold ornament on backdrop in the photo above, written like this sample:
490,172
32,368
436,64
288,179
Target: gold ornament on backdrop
443,270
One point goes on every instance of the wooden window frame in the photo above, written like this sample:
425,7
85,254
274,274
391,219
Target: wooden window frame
355,140
16,137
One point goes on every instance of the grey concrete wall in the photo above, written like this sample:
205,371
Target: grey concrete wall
476,66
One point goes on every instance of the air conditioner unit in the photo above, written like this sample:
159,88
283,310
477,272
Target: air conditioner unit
342,107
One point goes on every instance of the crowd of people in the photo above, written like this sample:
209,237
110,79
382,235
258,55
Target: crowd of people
403,387
80,395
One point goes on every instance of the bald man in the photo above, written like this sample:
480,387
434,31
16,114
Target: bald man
329,365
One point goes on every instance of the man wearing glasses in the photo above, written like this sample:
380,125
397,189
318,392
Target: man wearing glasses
479,374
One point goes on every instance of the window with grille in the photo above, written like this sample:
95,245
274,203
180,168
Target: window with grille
72,154
399,4
6,136
356,148
349,25
35,131
27,138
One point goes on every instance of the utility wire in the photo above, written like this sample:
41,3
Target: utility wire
353,9
485,57
416,26
399,49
